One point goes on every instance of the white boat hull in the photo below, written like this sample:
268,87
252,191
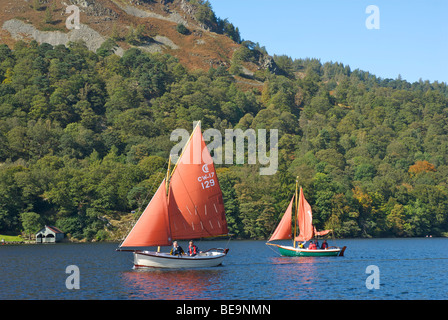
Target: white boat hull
148,259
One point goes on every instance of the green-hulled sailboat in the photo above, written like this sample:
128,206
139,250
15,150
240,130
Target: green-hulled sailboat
304,219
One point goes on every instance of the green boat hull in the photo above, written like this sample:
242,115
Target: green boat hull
297,252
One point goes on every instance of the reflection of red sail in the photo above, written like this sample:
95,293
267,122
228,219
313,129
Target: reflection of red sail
196,205
305,219
188,284
152,229
283,230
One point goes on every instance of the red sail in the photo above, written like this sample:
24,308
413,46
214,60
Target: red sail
195,200
152,228
305,219
283,230
321,233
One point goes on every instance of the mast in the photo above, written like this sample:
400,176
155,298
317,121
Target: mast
297,211
185,147
168,173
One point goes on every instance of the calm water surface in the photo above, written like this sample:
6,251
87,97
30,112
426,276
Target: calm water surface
409,269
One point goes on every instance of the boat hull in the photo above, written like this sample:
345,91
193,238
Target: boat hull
288,251
150,259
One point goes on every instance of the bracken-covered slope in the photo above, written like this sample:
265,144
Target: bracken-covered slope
150,25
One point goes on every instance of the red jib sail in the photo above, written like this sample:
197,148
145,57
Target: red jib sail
195,202
152,228
283,230
305,219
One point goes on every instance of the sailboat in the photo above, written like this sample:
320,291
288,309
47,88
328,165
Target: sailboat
304,219
187,205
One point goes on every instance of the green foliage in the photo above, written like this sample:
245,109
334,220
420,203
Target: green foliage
182,29
205,15
48,17
84,138
31,222
107,48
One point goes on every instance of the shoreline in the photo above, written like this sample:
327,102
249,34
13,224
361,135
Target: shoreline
30,242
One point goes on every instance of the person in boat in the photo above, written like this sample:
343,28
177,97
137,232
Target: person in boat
176,250
324,245
312,246
301,245
192,249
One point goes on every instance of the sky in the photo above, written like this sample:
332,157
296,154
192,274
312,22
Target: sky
407,38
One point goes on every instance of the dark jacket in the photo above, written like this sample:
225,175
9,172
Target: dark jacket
177,251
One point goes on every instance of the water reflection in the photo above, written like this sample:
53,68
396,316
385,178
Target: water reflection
172,284
301,275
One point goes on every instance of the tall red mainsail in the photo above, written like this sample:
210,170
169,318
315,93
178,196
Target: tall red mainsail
283,230
196,206
305,219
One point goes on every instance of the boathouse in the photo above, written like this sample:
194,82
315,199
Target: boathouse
49,234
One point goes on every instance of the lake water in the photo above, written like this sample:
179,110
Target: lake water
409,269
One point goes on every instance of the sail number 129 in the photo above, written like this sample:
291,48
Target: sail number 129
207,180
207,184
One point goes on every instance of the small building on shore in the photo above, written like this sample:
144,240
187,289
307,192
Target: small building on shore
49,234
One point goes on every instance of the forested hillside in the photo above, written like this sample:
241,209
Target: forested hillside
84,139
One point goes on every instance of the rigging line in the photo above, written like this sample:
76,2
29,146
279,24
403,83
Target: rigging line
276,252
227,244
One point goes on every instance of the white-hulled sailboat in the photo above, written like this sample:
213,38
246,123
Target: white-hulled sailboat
187,205
304,219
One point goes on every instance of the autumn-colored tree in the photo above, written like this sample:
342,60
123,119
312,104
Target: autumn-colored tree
421,166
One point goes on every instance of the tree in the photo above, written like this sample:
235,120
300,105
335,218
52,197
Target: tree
131,38
48,17
182,29
115,33
421,166
107,48
31,222
36,5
